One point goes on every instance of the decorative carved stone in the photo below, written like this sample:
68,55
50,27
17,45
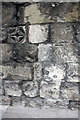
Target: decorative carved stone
16,35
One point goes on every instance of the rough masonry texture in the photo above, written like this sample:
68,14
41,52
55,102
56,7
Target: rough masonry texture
40,54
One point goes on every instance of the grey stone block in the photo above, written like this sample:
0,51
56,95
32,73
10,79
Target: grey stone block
73,72
65,53
70,91
8,14
18,72
62,33
4,100
12,88
25,52
5,52
30,89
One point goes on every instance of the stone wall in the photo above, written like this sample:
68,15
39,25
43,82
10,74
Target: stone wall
39,54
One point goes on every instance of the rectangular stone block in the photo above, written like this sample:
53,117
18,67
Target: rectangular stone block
8,14
38,33
73,72
18,72
5,52
45,52
16,34
62,33
49,12
12,88
25,53
66,53
53,74
70,91
30,89
49,90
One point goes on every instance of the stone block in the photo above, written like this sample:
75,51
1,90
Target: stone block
4,100
37,71
38,33
45,52
70,91
16,34
77,31
8,14
30,89
49,90
5,52
46,12
12,88
16,72
3,35
53,73
25,53
65,53
62,33
73,73
17,101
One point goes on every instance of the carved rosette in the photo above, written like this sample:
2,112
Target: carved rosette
16,35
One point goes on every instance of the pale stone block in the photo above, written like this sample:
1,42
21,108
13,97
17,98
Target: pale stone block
45,52
38,33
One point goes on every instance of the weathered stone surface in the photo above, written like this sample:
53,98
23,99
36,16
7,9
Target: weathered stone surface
12,88
5,52
45,52
3,35
8,14
17,100
65,53
4,100
16,34
49,90
77,32
40,52
61,33
73,72
16,72
74,104
70,91
37,71
30,89
49,12
38,33
25,53
53,73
